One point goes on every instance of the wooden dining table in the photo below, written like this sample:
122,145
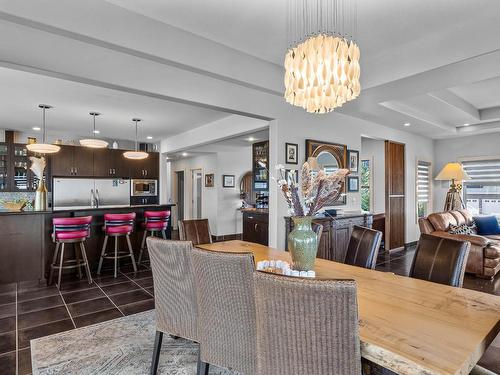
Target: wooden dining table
407,325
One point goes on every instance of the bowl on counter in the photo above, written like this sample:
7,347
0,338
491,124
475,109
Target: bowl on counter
14,206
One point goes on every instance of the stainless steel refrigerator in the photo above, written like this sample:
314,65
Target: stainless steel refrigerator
77,193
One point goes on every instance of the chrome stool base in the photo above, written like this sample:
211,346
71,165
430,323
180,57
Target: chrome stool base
116,254
143,243
69,263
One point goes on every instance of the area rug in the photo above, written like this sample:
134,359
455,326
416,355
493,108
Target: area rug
122,346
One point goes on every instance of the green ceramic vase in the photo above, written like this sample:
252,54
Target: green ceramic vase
302,244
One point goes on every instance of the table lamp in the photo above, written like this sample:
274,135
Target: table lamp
453,172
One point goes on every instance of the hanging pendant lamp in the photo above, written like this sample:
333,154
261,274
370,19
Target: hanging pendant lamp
94,142
322,63
136,155
43,148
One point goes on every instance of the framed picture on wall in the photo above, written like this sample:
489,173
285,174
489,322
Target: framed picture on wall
291,153
352,184
228,180
353,160
209,180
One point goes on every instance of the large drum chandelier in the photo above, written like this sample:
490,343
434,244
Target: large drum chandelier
322,63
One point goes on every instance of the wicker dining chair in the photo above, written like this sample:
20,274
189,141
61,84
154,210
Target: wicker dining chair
175,296
306,326
195,230
363,248
226,310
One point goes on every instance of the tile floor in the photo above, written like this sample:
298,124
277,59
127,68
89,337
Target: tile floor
29,310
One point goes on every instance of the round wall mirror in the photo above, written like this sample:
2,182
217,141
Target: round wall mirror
327,162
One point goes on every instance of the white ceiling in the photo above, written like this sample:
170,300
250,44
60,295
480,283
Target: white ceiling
258,27
21,92
432,63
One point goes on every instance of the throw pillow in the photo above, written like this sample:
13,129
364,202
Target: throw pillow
460,229
487,225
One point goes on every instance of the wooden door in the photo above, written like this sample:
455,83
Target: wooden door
83,161
394,195
62,162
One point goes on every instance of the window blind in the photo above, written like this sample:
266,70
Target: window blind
485,172
423,181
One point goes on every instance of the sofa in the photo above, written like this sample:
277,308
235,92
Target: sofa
484,256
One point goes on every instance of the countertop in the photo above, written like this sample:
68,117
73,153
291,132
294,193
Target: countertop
78,208
255,210
343,215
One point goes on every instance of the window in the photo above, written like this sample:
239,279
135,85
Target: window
365,185
423,188
482,191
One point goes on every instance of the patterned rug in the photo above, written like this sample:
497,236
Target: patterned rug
121,346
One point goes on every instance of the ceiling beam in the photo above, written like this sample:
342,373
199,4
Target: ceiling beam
416,114
456,102
485,127
488,114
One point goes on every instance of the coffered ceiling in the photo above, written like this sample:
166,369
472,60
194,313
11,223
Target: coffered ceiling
433,64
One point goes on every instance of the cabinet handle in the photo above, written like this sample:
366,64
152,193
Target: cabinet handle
255,227
76,170
146,171
114,171
109,170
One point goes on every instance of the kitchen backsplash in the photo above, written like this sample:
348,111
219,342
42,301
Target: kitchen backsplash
15,196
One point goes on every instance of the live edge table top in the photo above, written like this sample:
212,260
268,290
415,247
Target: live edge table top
407,325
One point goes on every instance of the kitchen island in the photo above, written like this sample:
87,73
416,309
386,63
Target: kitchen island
26,246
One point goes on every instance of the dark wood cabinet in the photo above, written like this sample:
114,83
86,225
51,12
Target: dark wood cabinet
146,168
256,227
110,163
73,161
76,161
138,201
260,166
336,233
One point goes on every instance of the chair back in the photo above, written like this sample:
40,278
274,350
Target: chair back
67,225
440,260
226,309
306,326
156,219
175,296
363,247
196,230
118,220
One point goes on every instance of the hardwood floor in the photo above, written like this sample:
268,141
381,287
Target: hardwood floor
29,310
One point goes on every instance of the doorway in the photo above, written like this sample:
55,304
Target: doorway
180,194
196,176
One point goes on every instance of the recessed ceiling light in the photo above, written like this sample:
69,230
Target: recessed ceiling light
149,137
406,124
251,139
184,154
36,128
466,124
97,131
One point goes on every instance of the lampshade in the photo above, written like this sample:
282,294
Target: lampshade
313,163
94,142
136,154
453,171
43,148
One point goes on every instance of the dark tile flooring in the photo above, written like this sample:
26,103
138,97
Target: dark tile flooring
29,310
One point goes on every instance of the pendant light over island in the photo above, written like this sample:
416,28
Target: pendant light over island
136,155
94,142
44,147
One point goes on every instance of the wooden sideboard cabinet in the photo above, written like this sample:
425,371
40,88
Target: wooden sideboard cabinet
336,233
256,226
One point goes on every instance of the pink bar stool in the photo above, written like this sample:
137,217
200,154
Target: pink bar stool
117,225
74,230
155,222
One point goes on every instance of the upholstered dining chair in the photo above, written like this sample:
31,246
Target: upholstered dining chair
363,247
175,296
306,326
226,310
196,230
440,260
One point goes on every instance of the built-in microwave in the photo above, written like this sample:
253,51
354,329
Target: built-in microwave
143,188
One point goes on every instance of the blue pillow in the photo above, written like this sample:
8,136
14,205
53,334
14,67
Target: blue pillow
487,225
